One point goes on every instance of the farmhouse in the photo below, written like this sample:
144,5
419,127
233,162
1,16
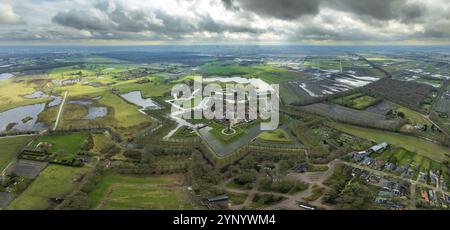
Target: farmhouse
379,147
217,202
218,199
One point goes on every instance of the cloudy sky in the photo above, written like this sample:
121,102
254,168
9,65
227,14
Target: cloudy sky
225,21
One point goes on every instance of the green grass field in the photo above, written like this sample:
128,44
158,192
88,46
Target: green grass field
122,116
9,149
277,135
11,95
102,143
357,101
122,192
66,146
152,89
412,144
54,182
413,117
213,69
125,114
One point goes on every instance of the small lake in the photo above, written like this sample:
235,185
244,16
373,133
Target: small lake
36,94
18,115
96,112
5,76
56,101
80,102
135,97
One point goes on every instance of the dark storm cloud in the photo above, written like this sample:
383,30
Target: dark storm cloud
318,33
229,5
282,9
82,20
293,9
379,9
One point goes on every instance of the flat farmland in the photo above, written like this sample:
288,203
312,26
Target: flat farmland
124,192
9,149
66,146
357,101
353,116
54,182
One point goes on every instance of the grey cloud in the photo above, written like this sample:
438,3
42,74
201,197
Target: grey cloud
82,20
229,5
282,9
380,9
116,19
294,9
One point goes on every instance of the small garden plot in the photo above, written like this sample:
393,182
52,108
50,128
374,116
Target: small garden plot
357,101
277,135
398,154
124,192
14,185
407,157
386,154
425,165
64,147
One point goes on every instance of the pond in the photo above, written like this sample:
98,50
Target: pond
56,101
80,102
96,112
36,94
136,98
23,117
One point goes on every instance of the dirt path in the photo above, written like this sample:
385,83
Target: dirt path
250,196
107,198
60,110
291,201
